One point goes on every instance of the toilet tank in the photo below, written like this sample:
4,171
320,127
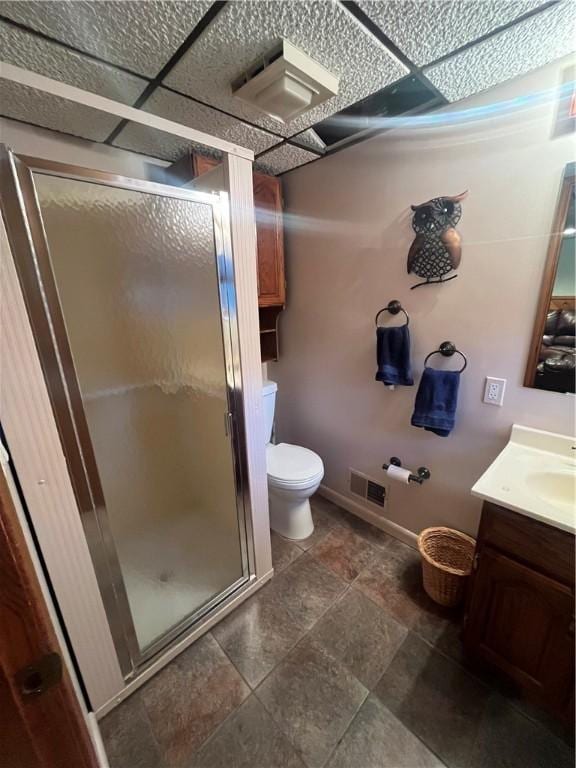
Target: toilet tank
269,389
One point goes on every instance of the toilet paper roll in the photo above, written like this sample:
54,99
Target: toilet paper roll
399,474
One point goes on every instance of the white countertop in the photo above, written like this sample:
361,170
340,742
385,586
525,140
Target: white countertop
535,475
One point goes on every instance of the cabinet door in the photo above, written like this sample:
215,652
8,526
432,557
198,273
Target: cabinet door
522,622
270,240
203,164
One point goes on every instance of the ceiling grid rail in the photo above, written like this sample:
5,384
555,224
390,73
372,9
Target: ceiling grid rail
68,47
373,27
211,14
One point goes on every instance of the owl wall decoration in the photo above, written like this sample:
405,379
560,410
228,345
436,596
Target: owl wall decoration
437,247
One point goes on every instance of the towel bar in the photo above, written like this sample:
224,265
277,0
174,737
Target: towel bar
447,349
423,472
393,307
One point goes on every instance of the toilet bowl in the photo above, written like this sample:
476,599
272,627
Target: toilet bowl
294,474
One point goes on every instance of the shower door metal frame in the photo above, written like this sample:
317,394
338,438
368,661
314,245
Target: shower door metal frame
32,259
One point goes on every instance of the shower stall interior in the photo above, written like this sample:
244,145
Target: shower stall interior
130,295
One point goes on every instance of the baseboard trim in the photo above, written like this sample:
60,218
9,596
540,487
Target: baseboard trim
395,530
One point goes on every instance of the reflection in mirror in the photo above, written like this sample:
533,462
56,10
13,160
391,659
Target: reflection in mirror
552,361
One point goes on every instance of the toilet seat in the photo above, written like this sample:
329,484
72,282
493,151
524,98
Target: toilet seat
292,466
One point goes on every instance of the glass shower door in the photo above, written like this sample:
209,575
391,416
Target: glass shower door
140,296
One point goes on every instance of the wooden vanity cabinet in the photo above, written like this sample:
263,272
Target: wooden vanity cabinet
269,244
520,607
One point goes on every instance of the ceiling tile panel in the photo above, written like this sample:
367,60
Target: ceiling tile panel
52,60
182,110
311,140
532,43
244,31
427,29
284,158
141,36
39,108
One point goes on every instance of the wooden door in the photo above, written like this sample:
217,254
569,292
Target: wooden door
522,622
270,240
37,729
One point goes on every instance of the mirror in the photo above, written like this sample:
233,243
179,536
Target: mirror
552,360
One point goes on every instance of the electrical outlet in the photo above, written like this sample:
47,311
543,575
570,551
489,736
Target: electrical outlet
494,391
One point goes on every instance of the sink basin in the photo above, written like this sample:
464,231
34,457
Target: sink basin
557,488
534,475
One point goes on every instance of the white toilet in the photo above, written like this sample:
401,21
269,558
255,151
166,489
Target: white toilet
294,474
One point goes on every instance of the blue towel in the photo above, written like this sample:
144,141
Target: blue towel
393,355
436,401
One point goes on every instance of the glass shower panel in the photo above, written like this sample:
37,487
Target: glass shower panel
138,286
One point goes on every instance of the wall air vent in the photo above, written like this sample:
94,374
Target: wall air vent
370,490
285,83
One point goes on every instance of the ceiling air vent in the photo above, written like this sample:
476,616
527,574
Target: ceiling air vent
285,83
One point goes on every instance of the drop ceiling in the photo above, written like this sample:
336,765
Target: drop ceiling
178,60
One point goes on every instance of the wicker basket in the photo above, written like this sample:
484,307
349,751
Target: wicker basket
447,558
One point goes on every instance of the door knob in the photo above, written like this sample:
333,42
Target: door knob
37,678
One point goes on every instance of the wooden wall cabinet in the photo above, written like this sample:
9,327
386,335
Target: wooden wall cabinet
270,240
270,250
520,608
269,244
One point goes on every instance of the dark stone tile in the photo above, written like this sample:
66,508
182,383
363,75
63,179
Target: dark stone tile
327,508
508,739
399,559
284,551
376,739
368,532
435,698
306,590
441,627
340,516
395,584
510,692
128,737
362,636
533,711
190,697
258,634
248,739
313,698
323,523
343,552
394,581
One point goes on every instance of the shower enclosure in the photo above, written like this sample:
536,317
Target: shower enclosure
129,290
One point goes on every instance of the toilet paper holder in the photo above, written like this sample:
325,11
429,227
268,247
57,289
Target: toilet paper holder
423,473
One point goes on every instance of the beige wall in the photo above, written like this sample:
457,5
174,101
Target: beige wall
348,235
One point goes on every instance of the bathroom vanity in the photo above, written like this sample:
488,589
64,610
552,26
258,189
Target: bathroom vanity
520,608
520,612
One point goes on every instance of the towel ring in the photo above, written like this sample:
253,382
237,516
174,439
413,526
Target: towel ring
447,349
393,307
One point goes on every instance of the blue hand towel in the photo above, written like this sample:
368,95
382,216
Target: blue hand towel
393,355
436,401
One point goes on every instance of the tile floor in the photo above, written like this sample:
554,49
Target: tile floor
341,661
